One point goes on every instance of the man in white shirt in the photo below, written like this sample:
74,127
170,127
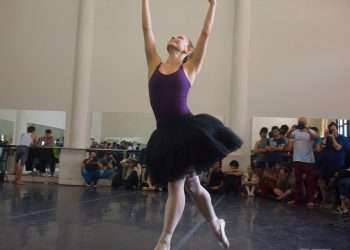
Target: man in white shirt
22,151
302,143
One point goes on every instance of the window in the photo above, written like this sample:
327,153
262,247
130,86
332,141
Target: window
344,127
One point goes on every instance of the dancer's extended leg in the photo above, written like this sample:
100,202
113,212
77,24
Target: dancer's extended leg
204,204
173,211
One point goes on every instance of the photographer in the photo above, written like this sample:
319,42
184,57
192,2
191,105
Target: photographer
302,143
336,148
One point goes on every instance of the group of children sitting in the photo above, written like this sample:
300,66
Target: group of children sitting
275,183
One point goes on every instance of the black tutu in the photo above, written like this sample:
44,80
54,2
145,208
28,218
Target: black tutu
190,143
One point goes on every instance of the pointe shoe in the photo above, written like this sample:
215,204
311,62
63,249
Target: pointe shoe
162,246
221,234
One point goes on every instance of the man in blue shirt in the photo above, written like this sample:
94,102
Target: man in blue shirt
335,154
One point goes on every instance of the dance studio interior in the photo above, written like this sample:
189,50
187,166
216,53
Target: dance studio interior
174,124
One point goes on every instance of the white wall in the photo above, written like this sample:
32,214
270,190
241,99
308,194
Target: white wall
128,124
96,126
22,118
8,114
37,47
119,69
300,58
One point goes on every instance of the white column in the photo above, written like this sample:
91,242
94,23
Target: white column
239,119
80,121
20,126
96,129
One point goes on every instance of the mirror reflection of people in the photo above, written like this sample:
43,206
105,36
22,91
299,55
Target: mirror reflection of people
22,151
46,156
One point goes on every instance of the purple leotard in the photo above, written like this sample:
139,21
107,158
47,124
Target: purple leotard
168,95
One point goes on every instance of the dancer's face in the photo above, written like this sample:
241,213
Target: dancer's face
180,43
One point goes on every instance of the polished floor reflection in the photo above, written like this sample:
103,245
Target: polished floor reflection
35,217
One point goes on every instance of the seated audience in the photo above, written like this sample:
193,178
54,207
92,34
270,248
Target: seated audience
284,185
268,182
132,175
232,178
108,163
250,182
91,170
215,178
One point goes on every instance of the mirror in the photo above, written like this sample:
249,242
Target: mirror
122,126
13,123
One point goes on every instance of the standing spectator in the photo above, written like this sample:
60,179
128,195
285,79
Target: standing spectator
250,182
343,185
318,156
90,169
47,160
284,131
4,150
25,142
260,151
276,148
334,157
285,154
302,139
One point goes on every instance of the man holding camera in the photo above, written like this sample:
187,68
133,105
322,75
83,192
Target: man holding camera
336,148
302,144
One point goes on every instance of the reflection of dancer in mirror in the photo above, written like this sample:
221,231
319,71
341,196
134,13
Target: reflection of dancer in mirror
183,144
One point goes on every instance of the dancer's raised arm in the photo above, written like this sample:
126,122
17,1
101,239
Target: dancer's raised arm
152,56
194,64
